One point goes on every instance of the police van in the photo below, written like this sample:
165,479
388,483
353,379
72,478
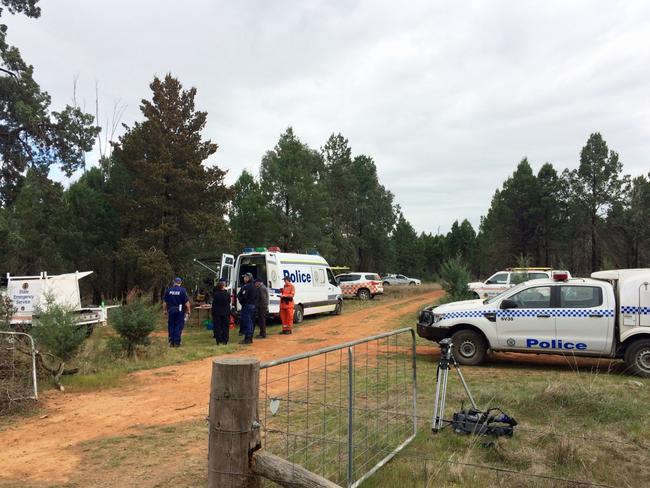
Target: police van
317,290
607,315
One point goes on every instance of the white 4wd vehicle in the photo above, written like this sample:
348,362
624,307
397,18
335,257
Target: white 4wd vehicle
399,279
502,280
605,316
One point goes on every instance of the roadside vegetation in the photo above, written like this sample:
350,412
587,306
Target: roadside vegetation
106,357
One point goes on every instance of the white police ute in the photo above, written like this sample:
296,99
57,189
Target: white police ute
317,290
607,315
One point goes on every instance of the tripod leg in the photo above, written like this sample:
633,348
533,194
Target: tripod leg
434,420
443,398
462,380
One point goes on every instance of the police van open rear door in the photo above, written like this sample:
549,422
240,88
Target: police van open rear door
227,264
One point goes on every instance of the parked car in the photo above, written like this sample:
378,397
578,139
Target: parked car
360,284
506,279
399,279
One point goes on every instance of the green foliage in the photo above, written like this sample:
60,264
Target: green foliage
454,277
37,237
251,218
6,311
407,251
34,136
134,322
291,178
55,331
170,203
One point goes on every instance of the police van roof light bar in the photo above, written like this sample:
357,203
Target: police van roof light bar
248,249
274,249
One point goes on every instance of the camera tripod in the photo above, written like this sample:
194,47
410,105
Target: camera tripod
442,375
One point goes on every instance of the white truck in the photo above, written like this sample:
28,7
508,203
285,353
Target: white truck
502,280
607,315
28,294
317,290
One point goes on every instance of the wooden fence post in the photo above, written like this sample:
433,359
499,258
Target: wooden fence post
234,433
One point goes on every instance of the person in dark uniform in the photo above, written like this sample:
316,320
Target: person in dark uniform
261,307
248,299
176,305
221,313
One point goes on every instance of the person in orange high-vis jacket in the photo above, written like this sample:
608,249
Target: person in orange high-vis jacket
286,306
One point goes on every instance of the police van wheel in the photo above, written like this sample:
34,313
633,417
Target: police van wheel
386,283
363,294
637,358
298,314
469,347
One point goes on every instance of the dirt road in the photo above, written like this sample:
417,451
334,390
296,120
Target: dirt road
47,449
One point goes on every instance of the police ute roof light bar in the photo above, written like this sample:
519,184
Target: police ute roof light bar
560,275
249,249
274,249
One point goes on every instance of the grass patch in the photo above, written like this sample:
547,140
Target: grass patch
573,424
100,368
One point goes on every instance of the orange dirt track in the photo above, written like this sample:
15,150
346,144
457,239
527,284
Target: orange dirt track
46,449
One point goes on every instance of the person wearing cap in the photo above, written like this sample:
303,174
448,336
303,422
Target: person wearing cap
286,305
261,307
221,313
247,297
176,305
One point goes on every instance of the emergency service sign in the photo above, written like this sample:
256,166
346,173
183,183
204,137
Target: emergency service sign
24,295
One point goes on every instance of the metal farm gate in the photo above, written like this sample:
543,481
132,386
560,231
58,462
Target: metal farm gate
344,411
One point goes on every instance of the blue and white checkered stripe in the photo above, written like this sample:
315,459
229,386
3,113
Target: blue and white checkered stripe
466,314
530,312
635,310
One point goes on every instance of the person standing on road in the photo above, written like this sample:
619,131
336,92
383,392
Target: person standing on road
221,313
262,307
248,299
286,306
176,305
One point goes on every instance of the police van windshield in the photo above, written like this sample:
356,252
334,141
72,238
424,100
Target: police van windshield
503,293
255,265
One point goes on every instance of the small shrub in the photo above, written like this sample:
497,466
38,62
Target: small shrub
454,278
134,322
55,331
57,336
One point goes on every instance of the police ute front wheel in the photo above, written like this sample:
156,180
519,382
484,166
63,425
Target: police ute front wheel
339,307
469,347
298,314
637,358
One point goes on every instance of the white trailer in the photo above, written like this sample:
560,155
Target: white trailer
28,294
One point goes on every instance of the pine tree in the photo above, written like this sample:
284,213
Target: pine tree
373,216
291,178
596,186
342,188
170,199
33,136
250,217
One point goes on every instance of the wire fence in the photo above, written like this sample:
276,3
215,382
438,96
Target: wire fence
18,382
344,411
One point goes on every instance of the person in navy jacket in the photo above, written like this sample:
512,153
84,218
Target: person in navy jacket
176,305
247,297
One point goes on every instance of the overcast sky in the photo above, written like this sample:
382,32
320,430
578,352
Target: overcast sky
447,97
